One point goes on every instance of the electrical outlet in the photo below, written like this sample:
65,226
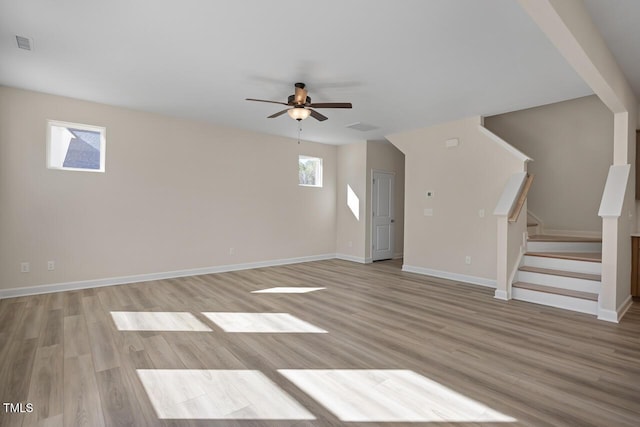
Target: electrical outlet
481,213
350,244
232,251
428,212
467,260
51,265
24,267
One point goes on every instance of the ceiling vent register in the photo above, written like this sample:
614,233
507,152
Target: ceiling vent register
24,42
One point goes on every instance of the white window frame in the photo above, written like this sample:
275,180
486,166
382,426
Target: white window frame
91,128
318,183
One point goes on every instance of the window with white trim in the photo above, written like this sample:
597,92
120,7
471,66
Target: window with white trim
75,146
310,171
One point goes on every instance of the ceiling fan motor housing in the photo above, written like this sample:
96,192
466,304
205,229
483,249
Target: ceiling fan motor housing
292,100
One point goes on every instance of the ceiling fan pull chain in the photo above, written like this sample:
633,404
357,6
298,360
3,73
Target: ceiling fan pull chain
299,130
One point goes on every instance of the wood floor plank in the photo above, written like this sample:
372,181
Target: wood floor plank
161,353
118,406
103,347
93,310
76,337
32,322
46,391
17,369
82,404
52,328
72,303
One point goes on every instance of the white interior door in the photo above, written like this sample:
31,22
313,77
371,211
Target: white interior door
382,236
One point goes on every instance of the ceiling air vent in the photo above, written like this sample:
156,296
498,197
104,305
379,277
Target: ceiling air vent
24,42
362,127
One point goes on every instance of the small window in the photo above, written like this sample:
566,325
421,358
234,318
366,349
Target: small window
77,147
310,171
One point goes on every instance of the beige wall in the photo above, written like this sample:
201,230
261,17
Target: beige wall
351,231
571,144
384,156
465,179
176,195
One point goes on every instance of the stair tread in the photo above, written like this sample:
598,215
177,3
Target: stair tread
557,291
532,224
577,256
563,273
572,239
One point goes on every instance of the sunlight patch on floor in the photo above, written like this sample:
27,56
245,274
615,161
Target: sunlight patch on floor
373,395
157,321
286,290
218,394
262,323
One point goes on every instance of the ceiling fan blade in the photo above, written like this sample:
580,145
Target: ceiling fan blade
317,115
278,114
264,100
331,105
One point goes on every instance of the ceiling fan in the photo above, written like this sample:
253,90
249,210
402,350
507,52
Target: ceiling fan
301,106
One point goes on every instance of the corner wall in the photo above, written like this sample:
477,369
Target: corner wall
465,180
355,165
176,195
351,230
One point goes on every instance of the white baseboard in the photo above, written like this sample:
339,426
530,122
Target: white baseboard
624,307
86,284
607,315
352,258
615,316
491,283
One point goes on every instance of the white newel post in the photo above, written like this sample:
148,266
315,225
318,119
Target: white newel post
503,287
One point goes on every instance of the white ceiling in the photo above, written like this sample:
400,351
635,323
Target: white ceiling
403,64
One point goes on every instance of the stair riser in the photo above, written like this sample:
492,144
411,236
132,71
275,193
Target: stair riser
552,300
564,246
561,282
563,264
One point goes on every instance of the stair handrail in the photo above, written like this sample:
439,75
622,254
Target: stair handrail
522,197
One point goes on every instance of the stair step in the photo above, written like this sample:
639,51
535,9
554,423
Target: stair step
561,246
549,299
563,273
557,291
532,224
552,238
577,256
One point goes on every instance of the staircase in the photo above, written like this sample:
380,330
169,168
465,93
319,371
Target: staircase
561,272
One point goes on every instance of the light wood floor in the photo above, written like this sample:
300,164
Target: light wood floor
539,365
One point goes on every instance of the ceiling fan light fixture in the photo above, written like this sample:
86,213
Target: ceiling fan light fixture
298,113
